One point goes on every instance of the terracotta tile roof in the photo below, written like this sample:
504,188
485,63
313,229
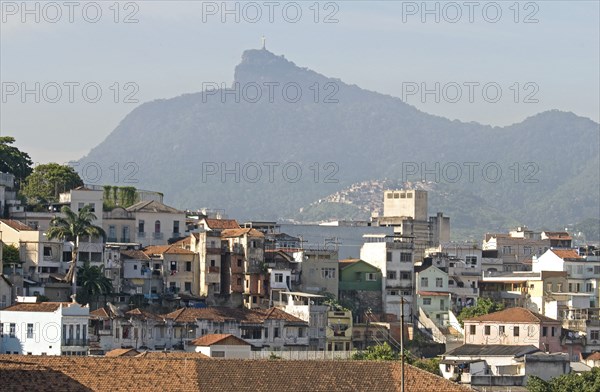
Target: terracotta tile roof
166,249
172,355
16,225
186,242
221,224
434,293
120,352
594,356
142,314
514,315
37,307
219,339
62,373
558,235
99,314
134,254
566,253
222,314
228,233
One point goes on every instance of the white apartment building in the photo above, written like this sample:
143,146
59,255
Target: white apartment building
393,255
45,328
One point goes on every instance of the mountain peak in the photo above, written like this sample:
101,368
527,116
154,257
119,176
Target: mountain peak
262,65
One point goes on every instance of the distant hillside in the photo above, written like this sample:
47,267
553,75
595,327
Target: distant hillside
348,136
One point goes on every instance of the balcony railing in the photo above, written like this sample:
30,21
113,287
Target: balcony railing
157,236
75,342
141,234
111,239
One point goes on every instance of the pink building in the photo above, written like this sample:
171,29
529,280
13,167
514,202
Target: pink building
514,327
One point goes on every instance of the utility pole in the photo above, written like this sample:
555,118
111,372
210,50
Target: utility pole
402,342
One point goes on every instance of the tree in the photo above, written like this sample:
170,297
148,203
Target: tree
484,306
380,352
47,181
93,283
10,254
582,382
70,227
14,161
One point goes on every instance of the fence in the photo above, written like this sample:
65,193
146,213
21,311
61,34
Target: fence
302,355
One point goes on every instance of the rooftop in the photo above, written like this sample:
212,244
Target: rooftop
221,224
567,254
513,315
221,314
219,339
64,373
491,350
37,307
16,225
153,206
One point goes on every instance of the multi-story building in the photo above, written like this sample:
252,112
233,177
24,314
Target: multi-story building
339,330
45,328
39,256
319,270
432,295
583,272
244,253
515,327
157,223
310,308
360,285
265,329
178,267
207,245
517,248
393,255
119,225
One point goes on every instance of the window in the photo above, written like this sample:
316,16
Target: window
442,305
506,250
559,287
188,266
125,237
370,276
527,250
218,354
300,332
47,251
278,278
487,330
595,335
173,266
157,226
548,286
393,292
544,331
439,282
426,301
406,257
391,275
276,332
141,226
328,273
580,269
11,331
596,270
471,260
553,331
175,227
405,275
239,281
1,330
515,331
29,331
239,263
96,257
188,286
424,282
501,330
388,257
112,233
589,287
213,263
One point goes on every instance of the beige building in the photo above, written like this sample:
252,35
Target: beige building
409,203
179,267
320,270
119,225
157,223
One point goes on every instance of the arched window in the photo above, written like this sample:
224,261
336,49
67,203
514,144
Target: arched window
157,226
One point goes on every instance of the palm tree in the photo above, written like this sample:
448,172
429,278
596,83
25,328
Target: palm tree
70,227
93,283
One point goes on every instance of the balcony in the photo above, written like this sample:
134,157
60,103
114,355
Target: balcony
157,236
125,239
75,342
141,234
214,270
111,239
213,251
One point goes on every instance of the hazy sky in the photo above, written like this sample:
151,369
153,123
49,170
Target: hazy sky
172,47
